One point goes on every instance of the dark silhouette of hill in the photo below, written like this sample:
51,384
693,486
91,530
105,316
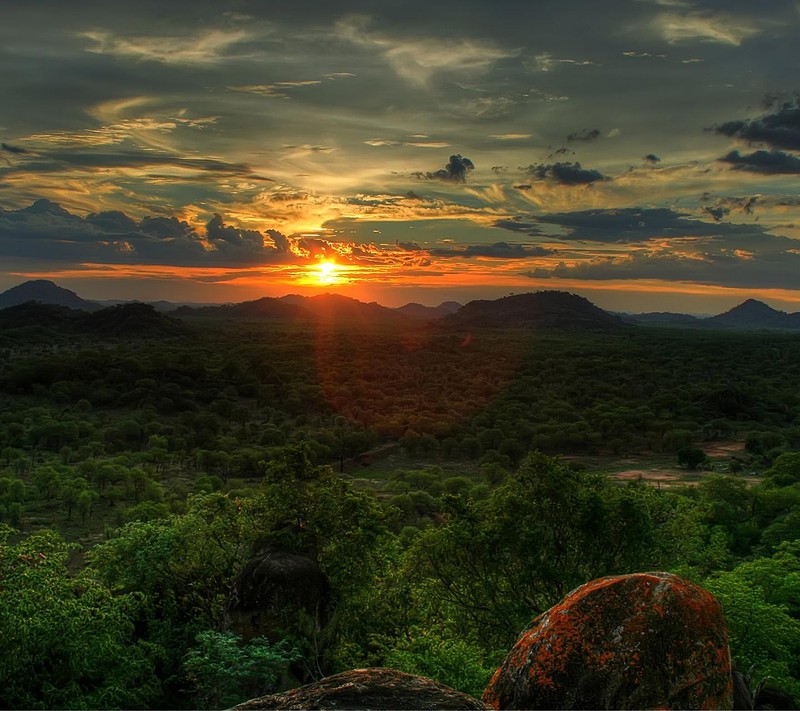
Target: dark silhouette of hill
661,318
540,309
266,308
133,319
44,291
748,315
429,313
35,315
337,308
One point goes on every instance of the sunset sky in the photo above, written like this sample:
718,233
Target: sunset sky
642,153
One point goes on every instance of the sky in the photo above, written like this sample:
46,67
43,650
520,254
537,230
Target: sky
642,153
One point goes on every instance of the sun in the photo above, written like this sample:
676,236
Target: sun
327,272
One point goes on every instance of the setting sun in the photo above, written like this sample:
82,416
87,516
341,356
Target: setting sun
327,272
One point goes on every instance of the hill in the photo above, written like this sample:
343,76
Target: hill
133,319
428,313
540,309
747,315
44,291
266,308
125,320
661,318
334,308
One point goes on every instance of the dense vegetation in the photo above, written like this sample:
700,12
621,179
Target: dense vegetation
139,476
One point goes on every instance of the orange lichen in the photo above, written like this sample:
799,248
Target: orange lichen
641,640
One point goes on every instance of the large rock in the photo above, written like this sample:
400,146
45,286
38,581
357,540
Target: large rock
368,689
271,589
647,640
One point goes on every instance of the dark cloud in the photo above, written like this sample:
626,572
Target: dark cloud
564,173
718,206
455,171
651,158
497,250
779,129
628,225
732,269
45,228
717,212
64,160
586,135
766,162
112,221
13,149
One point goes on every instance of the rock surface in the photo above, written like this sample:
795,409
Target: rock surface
368,689
271,588
646,640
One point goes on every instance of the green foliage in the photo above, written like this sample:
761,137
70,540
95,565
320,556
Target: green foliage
452,662
222,670
763,635
67,641
496,563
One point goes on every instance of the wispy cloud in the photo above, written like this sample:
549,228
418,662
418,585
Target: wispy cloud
417,59
207,47
721,28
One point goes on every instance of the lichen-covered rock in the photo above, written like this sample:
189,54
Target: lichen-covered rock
271,588
368,689
646,640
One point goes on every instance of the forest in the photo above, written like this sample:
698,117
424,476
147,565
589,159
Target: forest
430,487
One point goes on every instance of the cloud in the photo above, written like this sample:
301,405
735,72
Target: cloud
112,237
586,135
276,90
546,62
564,173
731,268
720,28
623,226
207,47
724,205
58,161
779,129
510,136
418,59
13,149
765,162
496,250
455,171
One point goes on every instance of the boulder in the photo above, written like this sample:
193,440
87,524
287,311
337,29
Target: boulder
271,589
368,689
646,640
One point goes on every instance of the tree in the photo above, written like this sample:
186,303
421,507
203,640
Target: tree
222,670
691,457
67,641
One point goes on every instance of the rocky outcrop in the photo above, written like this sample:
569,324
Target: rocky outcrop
368,689
646,640
273,586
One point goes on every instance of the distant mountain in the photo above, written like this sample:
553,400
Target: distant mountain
661,318
429,313
133,319
45,292
334,307
35,315
748,315
540,309
266,308
126,320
